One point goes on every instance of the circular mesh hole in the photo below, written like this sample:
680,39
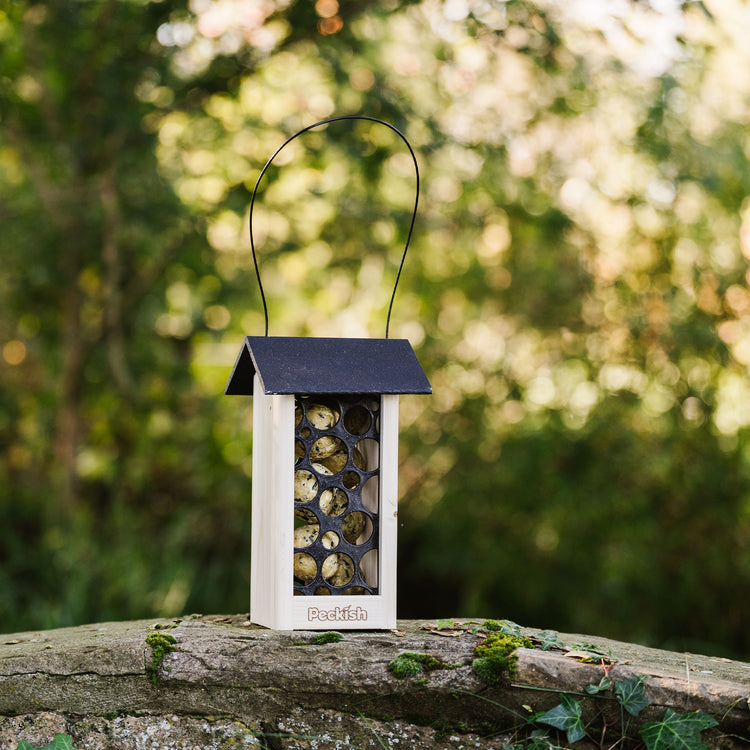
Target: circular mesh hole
338,569
354,526
368,449
333,502
321,416
305,432
304,515
305,486
357,420
351,480
330,452
305,568
359,458
330,540
306,535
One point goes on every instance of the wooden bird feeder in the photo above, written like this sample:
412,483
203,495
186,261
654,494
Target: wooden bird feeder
325,469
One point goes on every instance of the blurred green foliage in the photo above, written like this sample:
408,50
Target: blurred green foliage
577,290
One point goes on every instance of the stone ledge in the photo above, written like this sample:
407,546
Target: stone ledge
229,684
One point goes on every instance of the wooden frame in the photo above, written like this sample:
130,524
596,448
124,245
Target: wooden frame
272,600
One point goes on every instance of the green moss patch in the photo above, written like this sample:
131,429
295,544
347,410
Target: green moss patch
329,637
161,645
409,664
495,655
492,625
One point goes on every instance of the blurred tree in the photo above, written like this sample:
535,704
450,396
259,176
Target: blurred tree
577,290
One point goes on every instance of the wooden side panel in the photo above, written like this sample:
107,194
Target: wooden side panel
388,507
272,510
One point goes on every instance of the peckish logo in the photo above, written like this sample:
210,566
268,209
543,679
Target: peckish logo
340,614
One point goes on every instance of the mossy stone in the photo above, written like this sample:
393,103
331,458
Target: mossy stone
161,645
409,664
495,655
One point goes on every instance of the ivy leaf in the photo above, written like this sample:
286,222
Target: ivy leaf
566,716
604,684
632,694
61,742
508,627
549,639
677,731
591,651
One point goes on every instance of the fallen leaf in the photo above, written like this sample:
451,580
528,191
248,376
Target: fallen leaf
578,654
589,658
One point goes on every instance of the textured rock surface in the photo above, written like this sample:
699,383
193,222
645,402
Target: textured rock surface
229,684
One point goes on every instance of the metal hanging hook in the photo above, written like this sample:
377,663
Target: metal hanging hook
411,225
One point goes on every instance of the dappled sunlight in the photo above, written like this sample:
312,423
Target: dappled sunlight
577,285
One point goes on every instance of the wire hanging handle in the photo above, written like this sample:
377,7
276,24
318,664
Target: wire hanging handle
411,225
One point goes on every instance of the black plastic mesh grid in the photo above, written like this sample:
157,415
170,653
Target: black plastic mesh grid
336,470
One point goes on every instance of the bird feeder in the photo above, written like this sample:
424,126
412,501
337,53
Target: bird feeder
325,467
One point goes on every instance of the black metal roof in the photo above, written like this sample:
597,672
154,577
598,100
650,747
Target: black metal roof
289,365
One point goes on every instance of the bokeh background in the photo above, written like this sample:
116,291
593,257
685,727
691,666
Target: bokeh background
577,290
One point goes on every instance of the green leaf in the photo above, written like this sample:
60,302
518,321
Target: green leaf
677,731
539,744
549,639
604,684
632,694
591,648
61,742
508,627
566,716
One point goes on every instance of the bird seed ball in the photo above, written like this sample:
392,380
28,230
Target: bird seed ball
331,567
341,572
304,567
353,525
305,486
326,446
337,461
322,471
304,536
333,502
305,515
322,417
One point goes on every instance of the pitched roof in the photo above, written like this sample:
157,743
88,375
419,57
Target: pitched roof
289,365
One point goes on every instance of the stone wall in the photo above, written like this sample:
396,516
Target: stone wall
219,682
